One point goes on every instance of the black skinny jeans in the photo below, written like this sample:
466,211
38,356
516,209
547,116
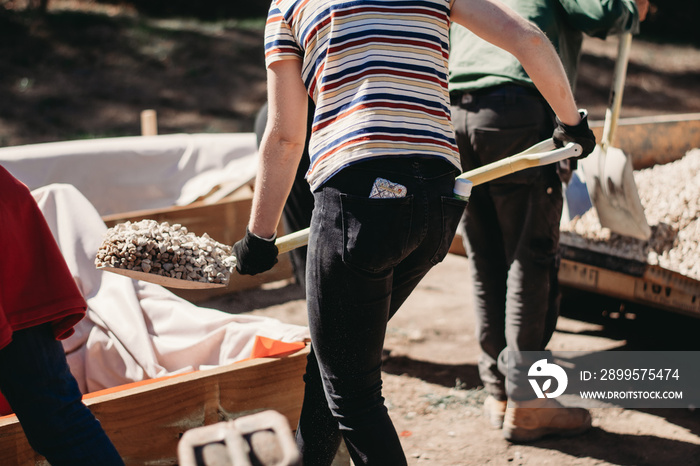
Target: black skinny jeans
365,257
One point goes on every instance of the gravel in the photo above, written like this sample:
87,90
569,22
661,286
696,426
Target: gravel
670,195
166,250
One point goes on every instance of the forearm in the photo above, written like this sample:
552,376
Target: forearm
276,169
281,147
542,64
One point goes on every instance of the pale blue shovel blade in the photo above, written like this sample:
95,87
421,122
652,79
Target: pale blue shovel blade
578,202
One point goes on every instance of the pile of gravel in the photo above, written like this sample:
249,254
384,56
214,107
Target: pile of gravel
670,195
166,250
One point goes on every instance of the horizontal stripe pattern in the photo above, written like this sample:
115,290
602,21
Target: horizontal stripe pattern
377,70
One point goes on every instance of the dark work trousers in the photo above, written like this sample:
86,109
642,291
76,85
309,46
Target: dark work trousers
365,258
511,233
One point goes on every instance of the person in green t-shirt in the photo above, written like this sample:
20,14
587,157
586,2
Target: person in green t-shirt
511,226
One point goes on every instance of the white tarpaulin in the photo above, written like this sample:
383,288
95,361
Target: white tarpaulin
136,330
141,172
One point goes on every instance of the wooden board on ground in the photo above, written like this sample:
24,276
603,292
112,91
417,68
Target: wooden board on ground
146,422
631,281
224,221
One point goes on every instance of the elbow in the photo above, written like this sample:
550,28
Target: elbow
291,148
533,37
285,149
285,137
531,41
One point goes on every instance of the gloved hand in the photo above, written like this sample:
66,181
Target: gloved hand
580,134
254,254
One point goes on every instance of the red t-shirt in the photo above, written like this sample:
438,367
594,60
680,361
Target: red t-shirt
36,285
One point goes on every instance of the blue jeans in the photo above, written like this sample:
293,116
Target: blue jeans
512,233
365,257
36,380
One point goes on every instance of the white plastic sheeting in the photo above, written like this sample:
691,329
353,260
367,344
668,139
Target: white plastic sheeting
141,172
136,330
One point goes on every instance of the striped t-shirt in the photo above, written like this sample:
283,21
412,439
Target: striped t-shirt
377,71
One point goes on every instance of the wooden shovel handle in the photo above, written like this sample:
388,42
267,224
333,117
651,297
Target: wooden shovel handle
612,112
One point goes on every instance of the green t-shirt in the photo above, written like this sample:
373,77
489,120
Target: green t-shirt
476,64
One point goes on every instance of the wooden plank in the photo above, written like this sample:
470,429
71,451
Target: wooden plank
668,297
665,277
624,279
457,246
602,260
145,423
596,279
674,296
656,139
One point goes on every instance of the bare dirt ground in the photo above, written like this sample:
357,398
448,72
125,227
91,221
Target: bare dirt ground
89,68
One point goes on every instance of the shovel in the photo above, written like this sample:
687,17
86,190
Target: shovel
608,171
542,153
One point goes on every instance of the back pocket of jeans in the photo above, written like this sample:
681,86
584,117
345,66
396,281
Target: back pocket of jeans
375,231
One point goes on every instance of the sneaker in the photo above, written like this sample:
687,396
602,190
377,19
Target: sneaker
494,411
530,420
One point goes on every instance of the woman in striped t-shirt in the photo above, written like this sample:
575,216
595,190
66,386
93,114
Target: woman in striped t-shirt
383,161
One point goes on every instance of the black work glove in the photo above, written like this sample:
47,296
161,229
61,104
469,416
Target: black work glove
580,134
254,254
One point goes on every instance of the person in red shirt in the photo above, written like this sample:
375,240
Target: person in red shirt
39,305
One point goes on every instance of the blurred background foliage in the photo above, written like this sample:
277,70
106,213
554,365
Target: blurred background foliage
74,69
670,20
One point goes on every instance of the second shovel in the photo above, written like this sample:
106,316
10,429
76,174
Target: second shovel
608,170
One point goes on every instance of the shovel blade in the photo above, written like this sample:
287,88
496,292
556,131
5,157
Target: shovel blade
578,201
613,192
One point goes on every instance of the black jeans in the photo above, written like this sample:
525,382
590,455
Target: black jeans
511,232
365,258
